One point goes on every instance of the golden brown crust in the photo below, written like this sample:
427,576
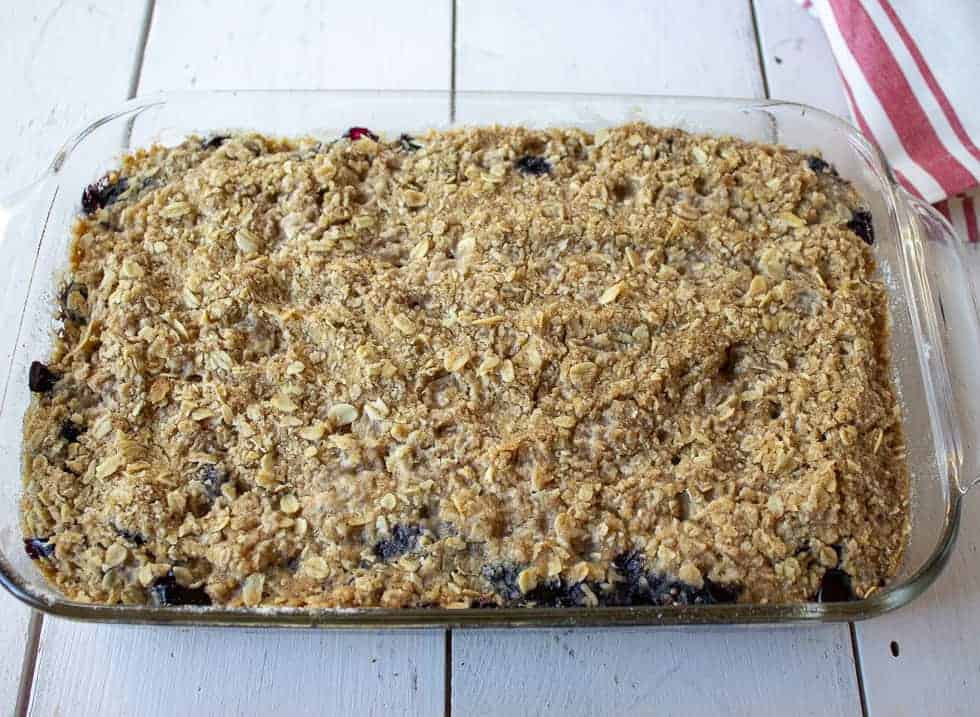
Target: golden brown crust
365,374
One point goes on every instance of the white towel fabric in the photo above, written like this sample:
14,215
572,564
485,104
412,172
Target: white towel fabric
910,70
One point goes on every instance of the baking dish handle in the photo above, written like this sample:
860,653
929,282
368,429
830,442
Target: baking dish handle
953,267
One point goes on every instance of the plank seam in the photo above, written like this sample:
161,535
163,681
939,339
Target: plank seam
448,709
29,664
452,64
760,55
857,669
134,80
36,622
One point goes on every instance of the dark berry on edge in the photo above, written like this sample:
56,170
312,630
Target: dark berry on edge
535,166
721,594
819,165
102,193
70,432
551,593
214,141
167,592
630,564
408,143
40,379
356,133
639,587
135,538
835,586
403,539
37,548
634,588
861,225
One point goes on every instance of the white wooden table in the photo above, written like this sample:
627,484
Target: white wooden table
62,63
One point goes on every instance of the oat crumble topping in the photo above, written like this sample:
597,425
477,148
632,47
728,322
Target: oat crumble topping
478,367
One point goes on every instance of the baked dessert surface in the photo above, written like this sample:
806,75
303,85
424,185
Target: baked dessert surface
489,366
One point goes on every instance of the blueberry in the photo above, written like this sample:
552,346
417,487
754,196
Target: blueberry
860,223
167,592
214,141
356,133
577,595
558,593
503,579
213,477
70,432
37,548
482,603
636,587
550,593
408,143
711,593
818,165
64,301
403,539
717,594
135,538
835,586
102,193
535,166
660,590
640,587
40,379
629,564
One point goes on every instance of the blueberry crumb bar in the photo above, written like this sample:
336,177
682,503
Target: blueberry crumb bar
493,366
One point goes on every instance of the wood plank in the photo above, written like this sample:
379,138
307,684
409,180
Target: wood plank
799,64
125,671
705,48
701,47
14,619
46,46
937,666
391,44
925,658
116,670
699,671
62,65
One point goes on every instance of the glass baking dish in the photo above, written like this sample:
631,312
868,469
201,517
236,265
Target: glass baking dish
928,274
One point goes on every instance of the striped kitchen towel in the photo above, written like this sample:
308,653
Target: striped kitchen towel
911,74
